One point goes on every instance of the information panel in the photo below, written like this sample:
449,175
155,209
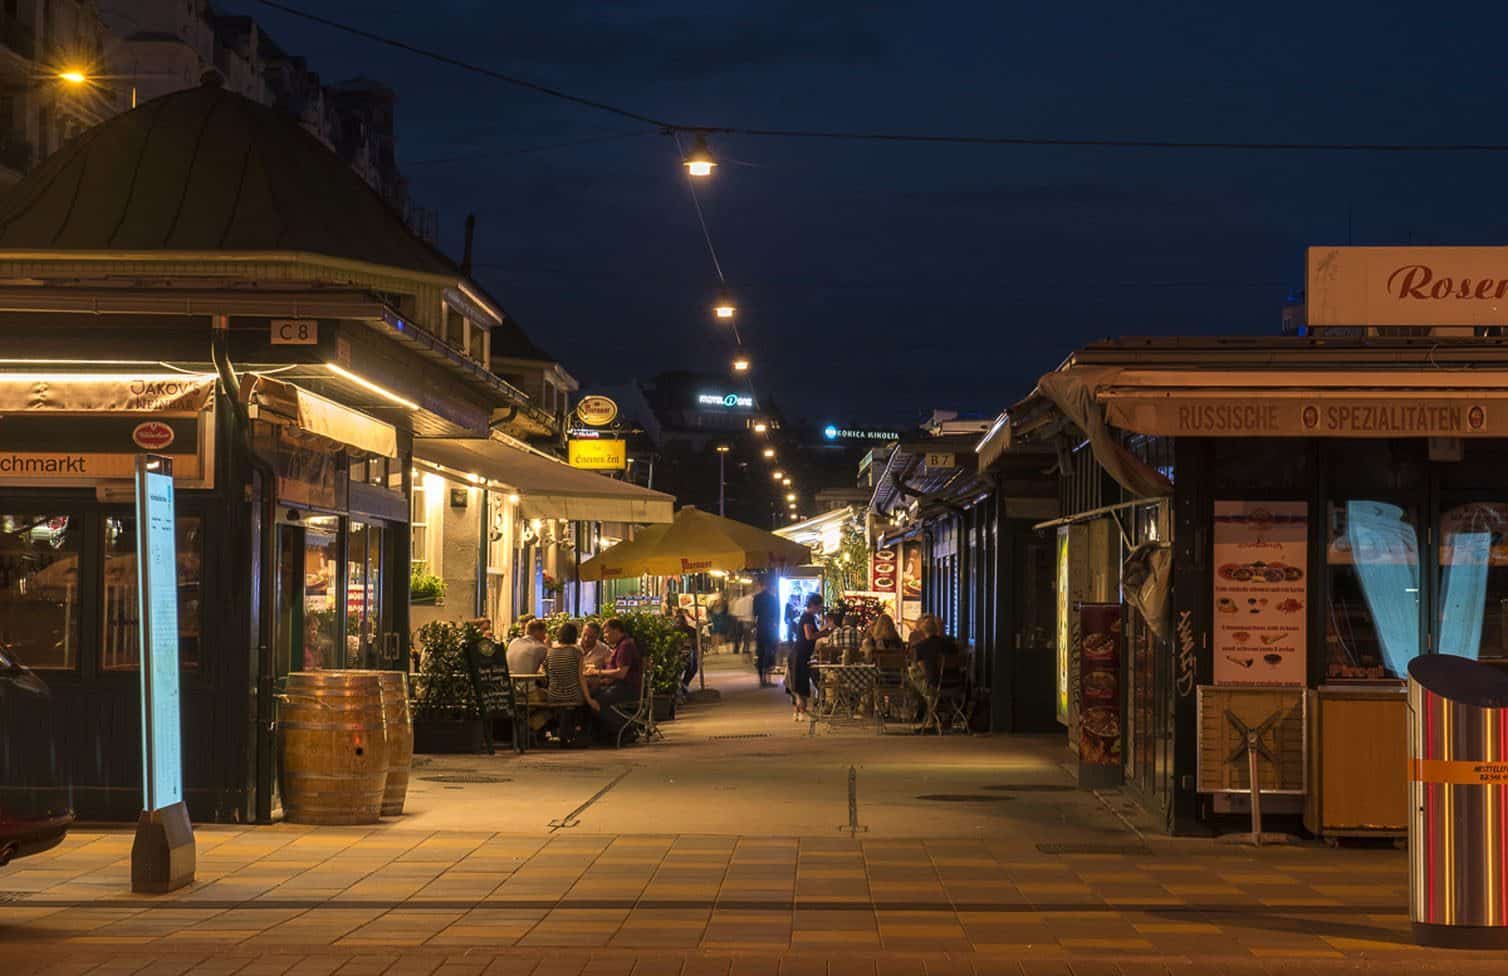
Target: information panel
157,591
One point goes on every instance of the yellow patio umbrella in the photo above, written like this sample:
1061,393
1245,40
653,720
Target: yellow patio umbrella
695,542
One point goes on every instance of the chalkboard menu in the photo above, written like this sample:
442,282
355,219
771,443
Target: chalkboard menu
489,677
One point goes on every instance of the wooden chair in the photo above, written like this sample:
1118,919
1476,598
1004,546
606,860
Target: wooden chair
955,703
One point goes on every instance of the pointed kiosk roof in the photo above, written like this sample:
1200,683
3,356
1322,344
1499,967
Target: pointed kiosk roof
205,169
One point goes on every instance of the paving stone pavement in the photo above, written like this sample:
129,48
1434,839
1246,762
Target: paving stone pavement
923,889
270,900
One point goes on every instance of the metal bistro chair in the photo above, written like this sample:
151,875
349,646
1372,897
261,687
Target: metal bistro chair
954,701
893,697
640,715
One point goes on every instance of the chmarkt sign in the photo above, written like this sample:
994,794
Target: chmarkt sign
599,454
1392,286
1379,414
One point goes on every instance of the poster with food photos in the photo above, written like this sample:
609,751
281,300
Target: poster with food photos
1261,593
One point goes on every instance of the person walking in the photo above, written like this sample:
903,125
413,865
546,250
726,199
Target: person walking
798,676
566,689
766,611
743,624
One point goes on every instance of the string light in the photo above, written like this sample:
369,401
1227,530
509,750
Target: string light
700,161
769,452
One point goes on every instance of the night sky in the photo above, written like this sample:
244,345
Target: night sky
879,281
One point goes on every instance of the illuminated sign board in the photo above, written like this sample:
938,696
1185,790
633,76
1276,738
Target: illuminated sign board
599,454
729,401
597,411
157,595
835,433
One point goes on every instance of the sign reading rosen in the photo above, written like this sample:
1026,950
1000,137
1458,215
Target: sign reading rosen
597,411
1371,286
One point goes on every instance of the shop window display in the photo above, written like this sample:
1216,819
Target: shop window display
120,644
1372,628
39,589
1473,580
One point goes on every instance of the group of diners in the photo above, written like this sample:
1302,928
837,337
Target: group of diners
590,677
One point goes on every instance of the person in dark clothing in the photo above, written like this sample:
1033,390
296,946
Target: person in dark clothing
766,629
933,647
687,631
622,678
799,675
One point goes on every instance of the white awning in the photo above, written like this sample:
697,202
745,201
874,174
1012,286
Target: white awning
548,488
279,402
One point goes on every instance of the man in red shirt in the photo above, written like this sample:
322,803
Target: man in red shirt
621,679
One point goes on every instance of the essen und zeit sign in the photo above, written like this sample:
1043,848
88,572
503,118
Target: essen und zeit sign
157,593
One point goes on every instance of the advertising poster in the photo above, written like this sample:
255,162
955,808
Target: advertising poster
1061,669
911,571
884,571
1261,593
1099,684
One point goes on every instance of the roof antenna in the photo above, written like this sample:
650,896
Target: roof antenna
466,249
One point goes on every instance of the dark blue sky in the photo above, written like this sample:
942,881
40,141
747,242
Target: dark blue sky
877,281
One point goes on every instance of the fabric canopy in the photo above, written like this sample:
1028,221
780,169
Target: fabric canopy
184,393
279,402
549,488
1073,391
695,542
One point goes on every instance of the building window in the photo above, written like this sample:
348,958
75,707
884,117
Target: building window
120,627
1373,556
418,522
39,589
1473,581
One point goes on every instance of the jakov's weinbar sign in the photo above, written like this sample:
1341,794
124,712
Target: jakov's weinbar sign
1434,286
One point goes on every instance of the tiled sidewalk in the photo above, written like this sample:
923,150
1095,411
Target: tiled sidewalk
285,894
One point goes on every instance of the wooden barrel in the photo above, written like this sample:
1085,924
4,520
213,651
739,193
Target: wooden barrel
335,751
400,739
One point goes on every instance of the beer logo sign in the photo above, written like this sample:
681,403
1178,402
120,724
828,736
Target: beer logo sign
154,435
597,411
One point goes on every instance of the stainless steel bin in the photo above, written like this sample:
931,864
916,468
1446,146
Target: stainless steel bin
1458,802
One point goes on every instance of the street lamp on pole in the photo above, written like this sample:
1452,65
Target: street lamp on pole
722,479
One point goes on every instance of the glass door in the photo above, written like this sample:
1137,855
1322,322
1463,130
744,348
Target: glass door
366,622
321,594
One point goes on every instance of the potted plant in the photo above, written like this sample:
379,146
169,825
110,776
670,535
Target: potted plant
442,699
664,655
424,587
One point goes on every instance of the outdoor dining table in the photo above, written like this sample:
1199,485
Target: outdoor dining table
847,689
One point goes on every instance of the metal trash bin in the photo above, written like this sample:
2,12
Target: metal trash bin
1458,802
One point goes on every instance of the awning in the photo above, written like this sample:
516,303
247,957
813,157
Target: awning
165,392
283,403
549,488
1342,403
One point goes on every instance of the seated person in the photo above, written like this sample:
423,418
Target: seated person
622,679
594,652
845,638
687,630
882,637
526,653
566,676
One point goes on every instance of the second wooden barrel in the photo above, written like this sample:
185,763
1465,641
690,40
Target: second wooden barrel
335,750
400,739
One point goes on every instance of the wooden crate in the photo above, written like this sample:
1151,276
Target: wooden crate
1360,750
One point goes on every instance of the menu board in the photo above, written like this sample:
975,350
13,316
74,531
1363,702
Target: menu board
157,589
1099,684
885,570
1261,593
489,676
